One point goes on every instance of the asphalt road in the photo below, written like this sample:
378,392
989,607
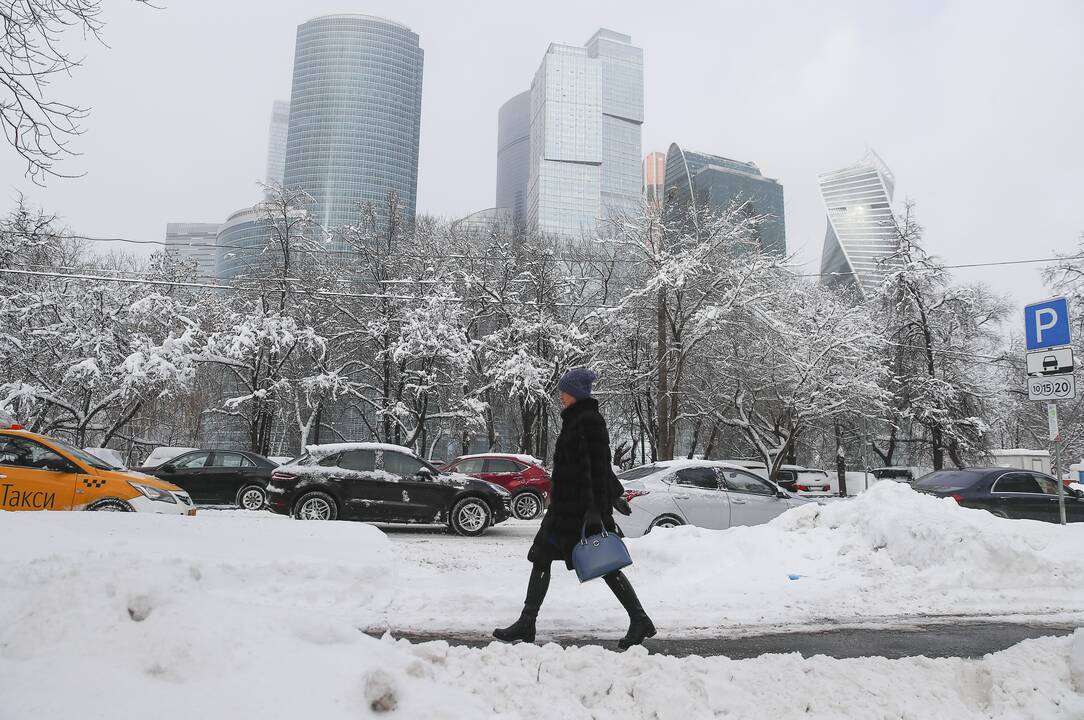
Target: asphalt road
973,639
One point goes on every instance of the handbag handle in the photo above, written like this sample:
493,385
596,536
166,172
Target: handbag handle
583,533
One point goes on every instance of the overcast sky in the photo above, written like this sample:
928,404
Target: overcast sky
978,107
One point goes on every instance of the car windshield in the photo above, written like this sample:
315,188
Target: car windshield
949,480
638,472
83,456
812,475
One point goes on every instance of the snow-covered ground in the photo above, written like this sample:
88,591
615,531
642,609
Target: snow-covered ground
234,614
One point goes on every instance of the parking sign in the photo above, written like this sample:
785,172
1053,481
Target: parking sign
1046,324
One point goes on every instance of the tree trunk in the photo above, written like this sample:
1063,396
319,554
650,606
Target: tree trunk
841,462
662,441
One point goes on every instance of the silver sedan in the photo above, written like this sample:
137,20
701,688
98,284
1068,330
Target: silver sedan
712,494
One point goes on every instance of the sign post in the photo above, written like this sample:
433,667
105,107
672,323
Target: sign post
1050,365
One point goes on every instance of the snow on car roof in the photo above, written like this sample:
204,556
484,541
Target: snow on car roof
322,451
529,459
685,463
1019,452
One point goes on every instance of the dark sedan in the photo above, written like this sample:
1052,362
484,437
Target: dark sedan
219,477
383,483
1005,492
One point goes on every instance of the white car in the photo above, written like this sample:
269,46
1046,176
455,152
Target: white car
803,481
713,494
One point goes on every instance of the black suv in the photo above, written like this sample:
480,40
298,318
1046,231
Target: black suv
383,483
219,477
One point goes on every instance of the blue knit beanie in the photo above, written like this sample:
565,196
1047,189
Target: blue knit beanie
577,382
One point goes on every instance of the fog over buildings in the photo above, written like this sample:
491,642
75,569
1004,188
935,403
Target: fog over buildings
950,94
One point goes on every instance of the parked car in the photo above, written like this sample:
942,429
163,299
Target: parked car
38,472
521,475
1005,492
375,482
711,494
900,474
803,481
164,454
219,477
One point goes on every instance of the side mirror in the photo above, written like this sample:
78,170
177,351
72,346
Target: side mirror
424,474
168,468
782,494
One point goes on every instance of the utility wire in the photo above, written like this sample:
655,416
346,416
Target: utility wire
561,258
327,295
291,291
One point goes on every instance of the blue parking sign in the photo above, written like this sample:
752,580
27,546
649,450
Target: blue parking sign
1046,324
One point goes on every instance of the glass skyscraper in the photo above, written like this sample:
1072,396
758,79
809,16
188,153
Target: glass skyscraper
654,177
861,234
586,111
194,241
242,240
276,142
716,183
355,115
513,155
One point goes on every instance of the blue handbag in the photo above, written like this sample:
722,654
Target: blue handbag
599,554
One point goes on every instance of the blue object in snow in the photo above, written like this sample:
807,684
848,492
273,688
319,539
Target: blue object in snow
793,577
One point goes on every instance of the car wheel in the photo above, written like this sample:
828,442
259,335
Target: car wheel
316,506
110,505
527,505
470,517
665,521
252,497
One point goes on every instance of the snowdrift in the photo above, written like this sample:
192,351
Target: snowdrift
242,615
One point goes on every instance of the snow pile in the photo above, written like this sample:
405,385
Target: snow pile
889,552
226,616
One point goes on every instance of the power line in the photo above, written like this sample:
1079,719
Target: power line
319,294
562,258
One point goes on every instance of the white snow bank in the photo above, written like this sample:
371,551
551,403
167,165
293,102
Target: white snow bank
123,616
890,553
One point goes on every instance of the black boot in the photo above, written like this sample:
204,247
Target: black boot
523,629
640,625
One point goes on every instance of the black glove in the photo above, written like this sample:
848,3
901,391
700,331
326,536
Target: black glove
622,506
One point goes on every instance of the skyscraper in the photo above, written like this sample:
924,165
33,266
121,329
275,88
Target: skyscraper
586,109
861,231
276,142
654,177
513,155
716,183
355,115
241,242
194,241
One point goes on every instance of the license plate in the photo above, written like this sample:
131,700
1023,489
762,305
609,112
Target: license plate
191,512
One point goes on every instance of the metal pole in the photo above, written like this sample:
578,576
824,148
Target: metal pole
1061,485
1055,434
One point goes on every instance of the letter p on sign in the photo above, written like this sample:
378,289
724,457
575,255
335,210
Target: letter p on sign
1046,324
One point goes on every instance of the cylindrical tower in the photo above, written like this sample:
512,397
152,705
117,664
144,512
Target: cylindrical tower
355,115
513,155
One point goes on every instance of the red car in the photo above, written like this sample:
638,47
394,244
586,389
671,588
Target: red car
521,475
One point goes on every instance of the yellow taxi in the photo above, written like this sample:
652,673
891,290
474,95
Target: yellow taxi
43,473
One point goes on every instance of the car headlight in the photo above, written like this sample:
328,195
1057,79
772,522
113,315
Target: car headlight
152,493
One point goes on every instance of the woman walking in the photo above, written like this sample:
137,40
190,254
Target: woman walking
581,493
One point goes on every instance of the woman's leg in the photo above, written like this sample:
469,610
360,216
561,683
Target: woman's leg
524,628
640,625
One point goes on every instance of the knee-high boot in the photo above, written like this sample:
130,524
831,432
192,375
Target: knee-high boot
524,628
640,625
